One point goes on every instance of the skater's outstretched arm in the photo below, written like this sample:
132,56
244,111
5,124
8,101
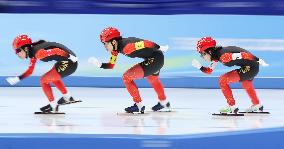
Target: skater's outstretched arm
112,61
207,70
15,80
109,65
30,70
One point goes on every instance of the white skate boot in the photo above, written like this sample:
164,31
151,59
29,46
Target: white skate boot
229,111
255,108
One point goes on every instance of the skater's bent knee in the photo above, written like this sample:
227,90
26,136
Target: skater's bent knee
43,80
223,81
126,78
153,79
247,84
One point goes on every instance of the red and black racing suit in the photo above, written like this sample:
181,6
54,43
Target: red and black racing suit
49,51
249,68
149,68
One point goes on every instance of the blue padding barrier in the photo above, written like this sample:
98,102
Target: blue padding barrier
177,82
161,7
260,139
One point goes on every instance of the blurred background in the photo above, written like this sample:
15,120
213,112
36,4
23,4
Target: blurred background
253,25
256,25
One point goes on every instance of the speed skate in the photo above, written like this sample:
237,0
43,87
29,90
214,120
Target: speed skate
49,113
255,112
228,114
255,109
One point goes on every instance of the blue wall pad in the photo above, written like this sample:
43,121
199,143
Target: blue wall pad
177,82
260,139
161,7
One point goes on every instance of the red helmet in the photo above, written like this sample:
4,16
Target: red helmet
109,33
205,43
21,40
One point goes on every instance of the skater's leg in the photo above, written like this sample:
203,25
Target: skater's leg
224,81
45,81
136,72
64,69
151,67
247,74
47,91
154,80
60,86
158,87
248,86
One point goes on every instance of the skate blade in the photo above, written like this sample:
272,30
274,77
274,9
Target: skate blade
68,103
131,114
49,113
255,112
164,110
228,114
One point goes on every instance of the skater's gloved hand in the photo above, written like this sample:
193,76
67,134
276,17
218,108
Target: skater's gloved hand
13,80
73,58
164,48
196,64
236,56
262,63
95,61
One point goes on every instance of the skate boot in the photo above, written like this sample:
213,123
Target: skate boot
229,110
48,109
135,109
255,108
159,107
72,100
64,101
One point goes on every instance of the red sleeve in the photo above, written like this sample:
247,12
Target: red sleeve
55,51
112,61
209,70
30,70
227,57
206,70
131,47
247,56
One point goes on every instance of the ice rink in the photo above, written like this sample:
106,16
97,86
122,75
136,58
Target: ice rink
97,114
